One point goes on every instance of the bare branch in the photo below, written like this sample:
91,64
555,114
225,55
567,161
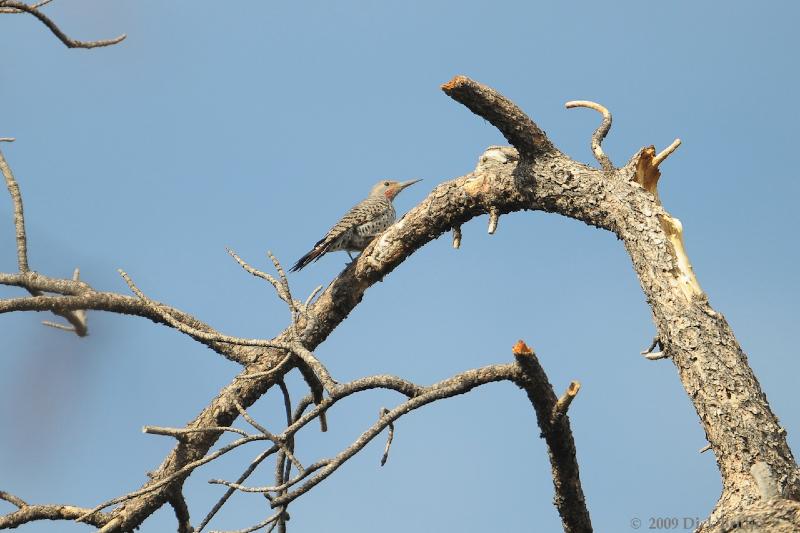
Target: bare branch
275,439
389,437
279,288
599,134
32,513
178,503
182,432
217,506
13,500
665,153
11,10
502,113
494,216
454,386
556,431
19,218
561,406
56,325
77,317
457,237
209,336
650,354
179,473
69,42
271,520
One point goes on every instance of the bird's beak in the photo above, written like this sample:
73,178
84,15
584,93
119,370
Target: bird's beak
403,184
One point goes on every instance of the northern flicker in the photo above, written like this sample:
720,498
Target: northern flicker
361,224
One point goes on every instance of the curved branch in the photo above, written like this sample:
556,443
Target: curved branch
599,134
63,37
13,11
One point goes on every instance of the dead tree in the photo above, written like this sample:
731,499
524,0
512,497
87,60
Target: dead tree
759,473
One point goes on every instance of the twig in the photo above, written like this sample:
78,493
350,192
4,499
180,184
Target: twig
561,406
650,354
457,237
77,318
7,139
69,42
274,370
11,10
384,411
217,506
599,134
283,468
275,488
665,153
179,433
178,473
56,325
259,274
705,448
258,526
213,336
19,217
454,386
317,373
275,439
13,500
494,216
311,296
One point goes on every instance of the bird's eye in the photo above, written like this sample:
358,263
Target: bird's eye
385,183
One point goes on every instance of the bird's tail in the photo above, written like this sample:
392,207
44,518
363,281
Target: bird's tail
313,255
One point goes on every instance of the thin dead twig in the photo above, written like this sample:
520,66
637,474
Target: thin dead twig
384,411
19,217
599,134
13,6
217,506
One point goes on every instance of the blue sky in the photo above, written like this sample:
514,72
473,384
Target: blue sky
256,127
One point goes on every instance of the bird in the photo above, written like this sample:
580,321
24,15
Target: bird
361,224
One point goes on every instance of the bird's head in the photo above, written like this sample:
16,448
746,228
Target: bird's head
390,189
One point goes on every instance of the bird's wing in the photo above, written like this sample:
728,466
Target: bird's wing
360,213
